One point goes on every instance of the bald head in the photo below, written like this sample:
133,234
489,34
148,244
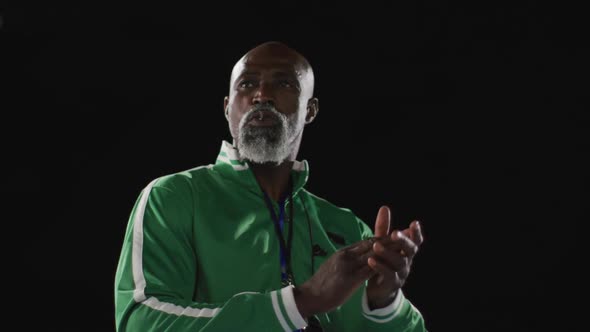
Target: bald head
277,54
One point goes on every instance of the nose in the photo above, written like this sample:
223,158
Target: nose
263,95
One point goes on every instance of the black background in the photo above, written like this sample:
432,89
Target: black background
470,119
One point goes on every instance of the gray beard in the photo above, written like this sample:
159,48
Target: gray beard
265,144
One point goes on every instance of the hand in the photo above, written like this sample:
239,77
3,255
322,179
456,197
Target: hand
336,279
393,258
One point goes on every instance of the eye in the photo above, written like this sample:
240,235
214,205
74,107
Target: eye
246,84
285,83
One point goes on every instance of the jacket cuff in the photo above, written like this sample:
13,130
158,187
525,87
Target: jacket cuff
283,303
383,315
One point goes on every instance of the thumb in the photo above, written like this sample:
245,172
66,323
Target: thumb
383,222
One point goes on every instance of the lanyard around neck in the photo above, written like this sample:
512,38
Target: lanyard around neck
285,250
286,272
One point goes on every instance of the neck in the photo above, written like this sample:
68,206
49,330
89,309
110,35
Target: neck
272,178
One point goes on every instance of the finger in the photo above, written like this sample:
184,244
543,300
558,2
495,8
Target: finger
404,272
361,260
377,278
355,256
393,241
401,242
408,232
416,232
365,272
382,222
359,248
393,258
386,273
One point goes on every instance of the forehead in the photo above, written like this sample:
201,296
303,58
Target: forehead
274,69
268,63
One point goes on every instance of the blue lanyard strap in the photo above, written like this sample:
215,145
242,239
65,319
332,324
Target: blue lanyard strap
285,248
283,254
279,222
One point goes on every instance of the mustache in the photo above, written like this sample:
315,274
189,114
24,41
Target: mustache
263,110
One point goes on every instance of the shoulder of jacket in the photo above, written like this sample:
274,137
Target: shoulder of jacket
341,225
183,180
324,206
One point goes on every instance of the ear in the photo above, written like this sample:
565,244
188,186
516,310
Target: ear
225,107
313,108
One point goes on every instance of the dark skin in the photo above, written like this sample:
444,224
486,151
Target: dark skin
274,73
394,253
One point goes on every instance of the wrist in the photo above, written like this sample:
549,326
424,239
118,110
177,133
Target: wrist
385,314
304,301
382,302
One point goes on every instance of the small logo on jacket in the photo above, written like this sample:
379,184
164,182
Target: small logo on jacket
318,251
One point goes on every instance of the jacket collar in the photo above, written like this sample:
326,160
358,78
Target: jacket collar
230,166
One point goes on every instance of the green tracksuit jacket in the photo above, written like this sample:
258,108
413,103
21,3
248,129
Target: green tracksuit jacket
201,254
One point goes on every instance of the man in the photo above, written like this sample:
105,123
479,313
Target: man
241,245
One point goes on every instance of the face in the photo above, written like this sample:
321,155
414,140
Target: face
269,103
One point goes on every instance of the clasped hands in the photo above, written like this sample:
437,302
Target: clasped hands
383,260
393,255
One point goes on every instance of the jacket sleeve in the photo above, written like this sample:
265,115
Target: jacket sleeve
156,277
400,315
